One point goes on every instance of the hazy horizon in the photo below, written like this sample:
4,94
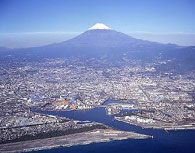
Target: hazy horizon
35,23
34,39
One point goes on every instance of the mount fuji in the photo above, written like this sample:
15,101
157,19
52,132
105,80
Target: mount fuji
101,41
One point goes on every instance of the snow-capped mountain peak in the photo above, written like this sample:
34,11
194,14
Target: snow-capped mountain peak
99,26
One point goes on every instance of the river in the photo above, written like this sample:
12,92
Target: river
182,141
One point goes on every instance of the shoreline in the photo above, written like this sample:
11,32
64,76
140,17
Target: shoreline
166,128
83,138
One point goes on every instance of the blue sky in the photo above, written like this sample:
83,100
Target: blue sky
28,18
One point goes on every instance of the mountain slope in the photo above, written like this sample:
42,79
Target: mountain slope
106,43
101,41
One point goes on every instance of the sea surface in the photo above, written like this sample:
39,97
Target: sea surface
182,141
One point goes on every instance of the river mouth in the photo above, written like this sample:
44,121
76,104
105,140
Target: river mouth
170,142
163,142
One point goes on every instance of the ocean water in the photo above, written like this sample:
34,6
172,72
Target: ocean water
182,141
